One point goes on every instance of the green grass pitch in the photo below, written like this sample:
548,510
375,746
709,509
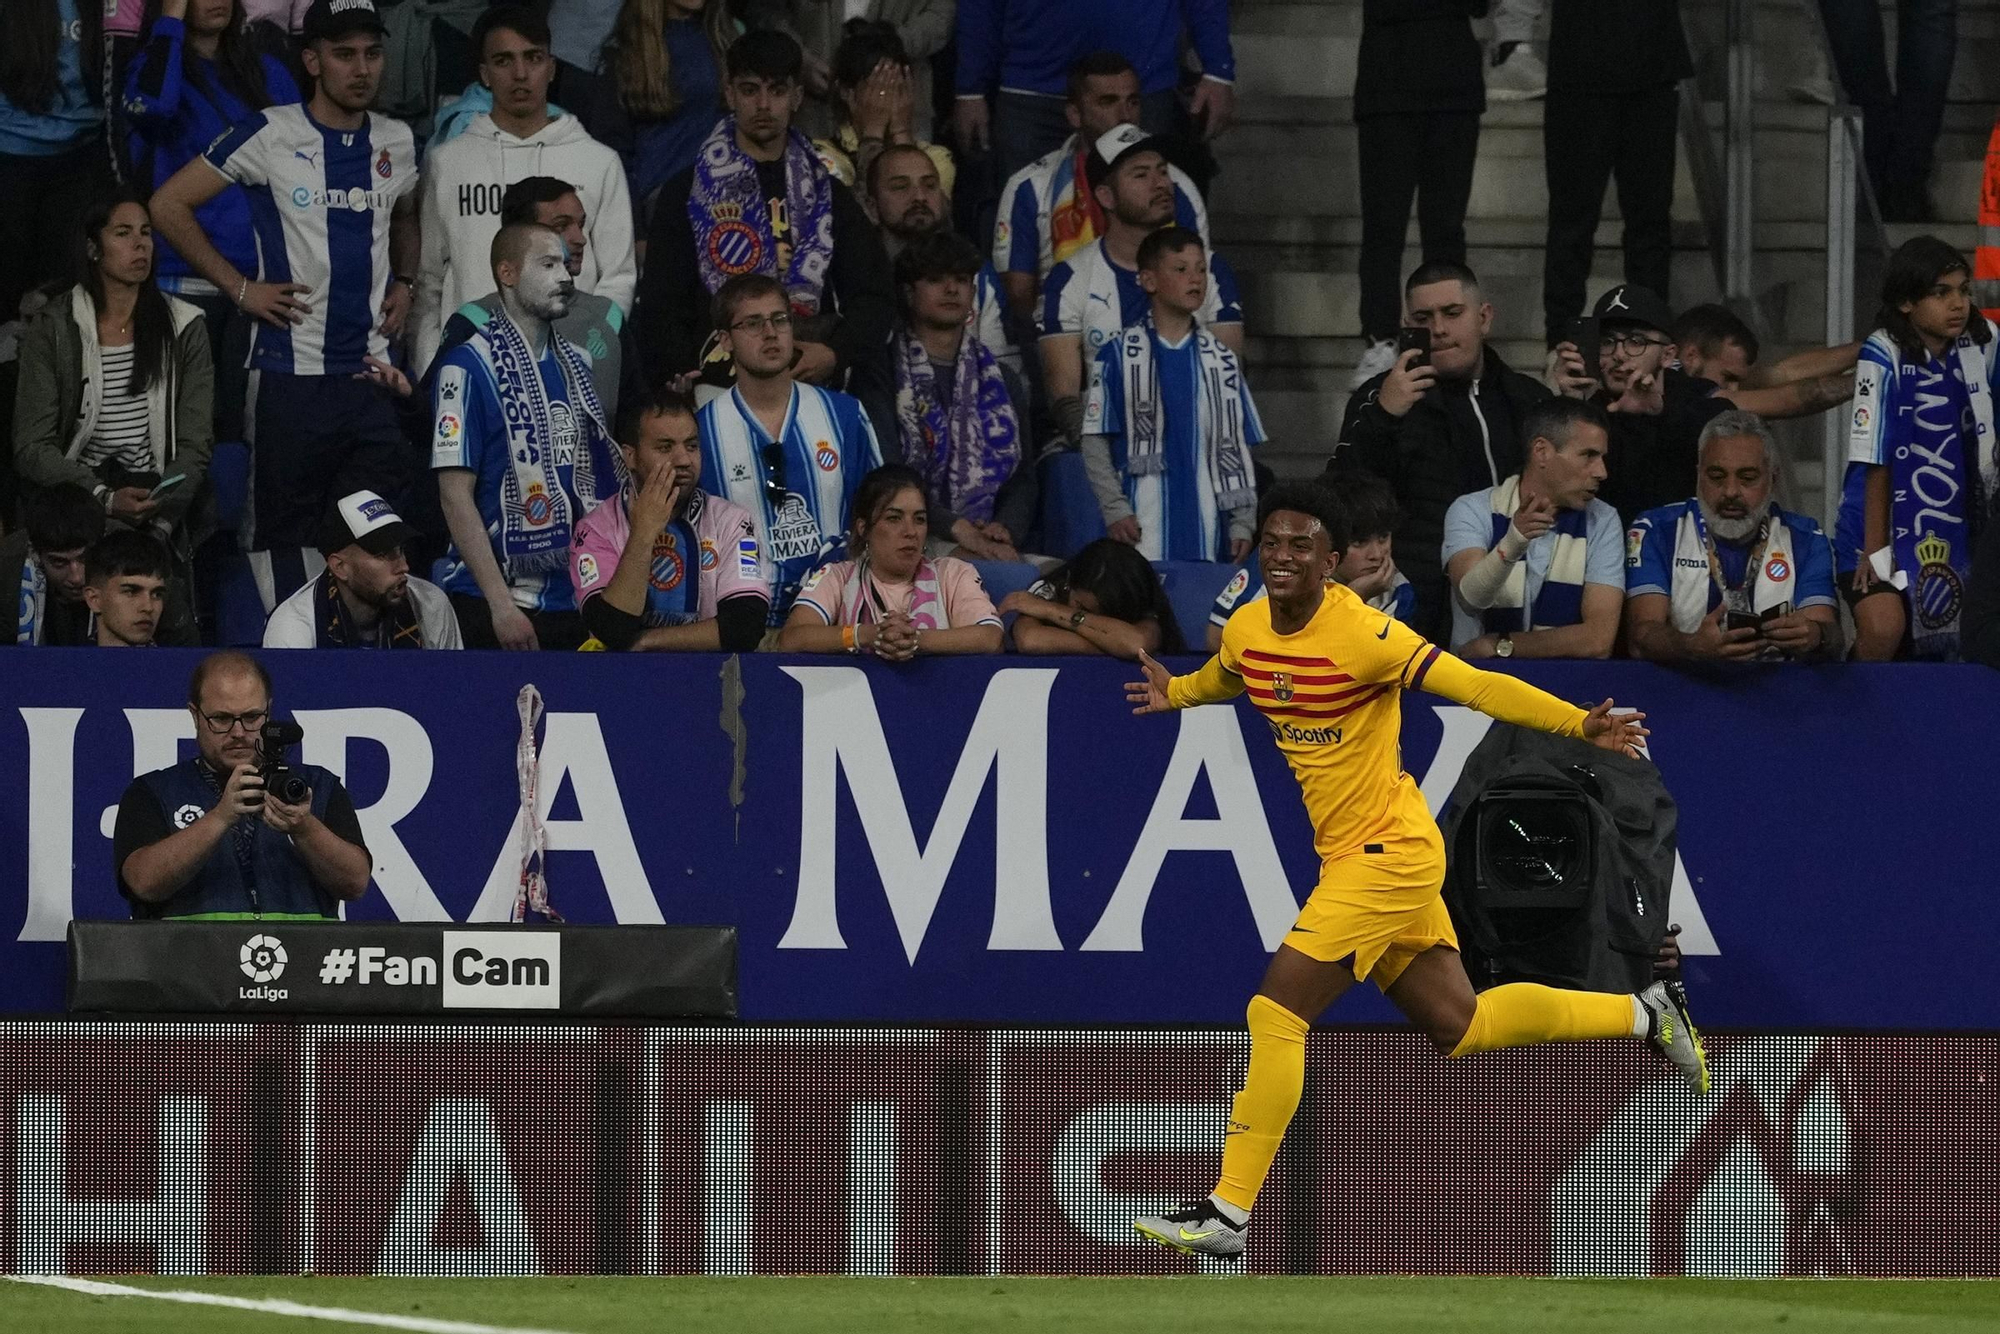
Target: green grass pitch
1018,1305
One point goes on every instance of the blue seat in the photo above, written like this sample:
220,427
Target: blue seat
1071,520
1002,577
239,608
1192,587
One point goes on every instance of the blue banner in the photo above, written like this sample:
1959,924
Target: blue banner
1000,841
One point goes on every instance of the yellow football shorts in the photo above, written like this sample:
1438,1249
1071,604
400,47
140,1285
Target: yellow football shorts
1376,910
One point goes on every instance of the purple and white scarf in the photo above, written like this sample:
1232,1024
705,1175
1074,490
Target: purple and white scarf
967,452
733,234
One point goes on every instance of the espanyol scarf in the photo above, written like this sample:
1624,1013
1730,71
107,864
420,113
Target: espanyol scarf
733,232
1769,579
334,628
1560,601
861,601
34,602
551,482
1941,453
1218,407
965,453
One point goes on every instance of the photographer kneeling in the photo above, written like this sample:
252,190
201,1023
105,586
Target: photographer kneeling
205,839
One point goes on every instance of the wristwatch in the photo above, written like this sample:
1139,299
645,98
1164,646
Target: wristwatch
1505,647
1077,618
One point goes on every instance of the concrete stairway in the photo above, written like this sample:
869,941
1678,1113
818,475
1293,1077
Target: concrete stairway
1286,210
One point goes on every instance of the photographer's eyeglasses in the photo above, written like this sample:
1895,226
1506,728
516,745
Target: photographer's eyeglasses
224,723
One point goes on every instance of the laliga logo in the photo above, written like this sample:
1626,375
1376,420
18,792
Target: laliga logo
262,959
1748,1181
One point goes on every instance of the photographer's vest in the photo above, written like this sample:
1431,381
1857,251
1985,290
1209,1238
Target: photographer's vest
257,876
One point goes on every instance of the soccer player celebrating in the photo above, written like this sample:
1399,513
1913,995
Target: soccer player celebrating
1327,672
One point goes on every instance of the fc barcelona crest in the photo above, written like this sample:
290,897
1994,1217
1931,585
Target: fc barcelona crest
1281,686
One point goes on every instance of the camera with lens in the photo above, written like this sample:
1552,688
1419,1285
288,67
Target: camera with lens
282,781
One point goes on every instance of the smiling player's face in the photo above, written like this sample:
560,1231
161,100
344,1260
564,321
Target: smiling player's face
1295,557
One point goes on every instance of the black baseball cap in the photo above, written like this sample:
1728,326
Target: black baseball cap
1629,303
1113,147
362,519
331,20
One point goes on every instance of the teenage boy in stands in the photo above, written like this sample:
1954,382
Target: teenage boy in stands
1169,424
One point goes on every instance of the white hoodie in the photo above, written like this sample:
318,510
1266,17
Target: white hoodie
463,182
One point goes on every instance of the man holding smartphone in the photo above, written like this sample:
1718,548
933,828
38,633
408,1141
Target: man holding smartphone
1445,420
1729,576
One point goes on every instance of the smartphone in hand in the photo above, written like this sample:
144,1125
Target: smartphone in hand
1417,338
1583,333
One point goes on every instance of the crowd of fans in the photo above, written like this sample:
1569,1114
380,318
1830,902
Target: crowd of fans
680,302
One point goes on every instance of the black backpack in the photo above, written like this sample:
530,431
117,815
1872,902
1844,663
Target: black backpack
1560,858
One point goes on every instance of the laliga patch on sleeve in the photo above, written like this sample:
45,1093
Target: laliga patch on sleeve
448,427
1635,542
1867,400
1234,589
586,569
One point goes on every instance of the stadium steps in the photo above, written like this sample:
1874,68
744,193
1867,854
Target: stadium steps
1286,210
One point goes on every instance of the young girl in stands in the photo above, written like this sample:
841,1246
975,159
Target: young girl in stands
53,158
1923,458
1106,600
663,68
198,71
890,600
115,392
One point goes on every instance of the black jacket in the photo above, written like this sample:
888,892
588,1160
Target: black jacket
1418,56
1652,460
1453,441
1616,46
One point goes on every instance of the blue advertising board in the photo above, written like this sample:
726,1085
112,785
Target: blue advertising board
999,841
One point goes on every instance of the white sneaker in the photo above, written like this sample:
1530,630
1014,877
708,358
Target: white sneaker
1378,359
1673,1034
1197,1228
1521,77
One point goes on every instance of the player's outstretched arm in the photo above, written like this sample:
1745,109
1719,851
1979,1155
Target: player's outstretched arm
1163,692
1512,700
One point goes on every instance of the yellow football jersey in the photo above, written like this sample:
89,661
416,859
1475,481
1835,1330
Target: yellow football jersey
1331,693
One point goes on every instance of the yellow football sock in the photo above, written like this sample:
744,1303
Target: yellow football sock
1270,1095
1521,1014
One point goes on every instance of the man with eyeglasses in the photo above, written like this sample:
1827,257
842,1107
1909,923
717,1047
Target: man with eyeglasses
202,838
1656,412
792,454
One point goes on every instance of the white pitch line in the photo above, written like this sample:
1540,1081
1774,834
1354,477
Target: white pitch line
273,1306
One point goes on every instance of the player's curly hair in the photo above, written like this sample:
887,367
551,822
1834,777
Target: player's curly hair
1312,499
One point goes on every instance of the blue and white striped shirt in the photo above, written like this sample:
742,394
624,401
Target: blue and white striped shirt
320,202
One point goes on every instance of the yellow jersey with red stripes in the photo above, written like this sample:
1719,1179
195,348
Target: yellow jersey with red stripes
1331,693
